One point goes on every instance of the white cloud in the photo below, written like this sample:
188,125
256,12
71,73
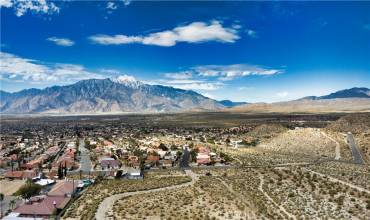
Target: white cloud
127,2
37,7
282,94
114,40
6,3
230,72
22,69
199,86
186,80
111,6
65,42
195,32
179,75
194,85
212,77
183,81
243,88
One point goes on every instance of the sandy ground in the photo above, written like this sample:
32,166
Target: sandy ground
8,187
337,146
106,206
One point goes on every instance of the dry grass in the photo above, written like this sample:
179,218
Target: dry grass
8,187
86,206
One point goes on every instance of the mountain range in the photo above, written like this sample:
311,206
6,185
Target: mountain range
105,95
346,93
128,95
348,100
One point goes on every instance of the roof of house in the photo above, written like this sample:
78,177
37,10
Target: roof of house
14,174
109,161
44,207
203,156
62,188
153,158
28,174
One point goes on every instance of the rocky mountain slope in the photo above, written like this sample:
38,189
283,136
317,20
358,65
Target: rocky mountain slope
104,95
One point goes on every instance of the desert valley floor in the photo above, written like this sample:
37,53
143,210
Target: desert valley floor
214,165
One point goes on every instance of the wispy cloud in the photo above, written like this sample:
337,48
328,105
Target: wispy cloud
37,7
189,84
196,32
20,69
230,72
65,42
111,6
127,2
179,75
244,88
212,77
282,94
186,80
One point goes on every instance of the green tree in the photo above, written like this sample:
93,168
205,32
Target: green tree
193,155
60,171
163,147
1,203
28,190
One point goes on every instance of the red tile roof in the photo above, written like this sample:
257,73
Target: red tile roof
63,188
44,207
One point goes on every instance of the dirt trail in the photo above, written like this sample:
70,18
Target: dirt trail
260,187
337,146
335,180
106,206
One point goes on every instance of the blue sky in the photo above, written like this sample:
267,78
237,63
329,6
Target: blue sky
242,51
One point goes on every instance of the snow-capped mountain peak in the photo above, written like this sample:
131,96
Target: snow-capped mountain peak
127,81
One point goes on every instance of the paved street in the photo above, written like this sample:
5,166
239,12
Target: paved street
85,158
185,158
357,157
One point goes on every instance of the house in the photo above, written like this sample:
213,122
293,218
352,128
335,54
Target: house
132,173
70,152
152,160
51,151
161,153
203,150
203,159
109,163
21,175
63,189
107,143
14,175
166,163
42,207
34,163
65,161
133,161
